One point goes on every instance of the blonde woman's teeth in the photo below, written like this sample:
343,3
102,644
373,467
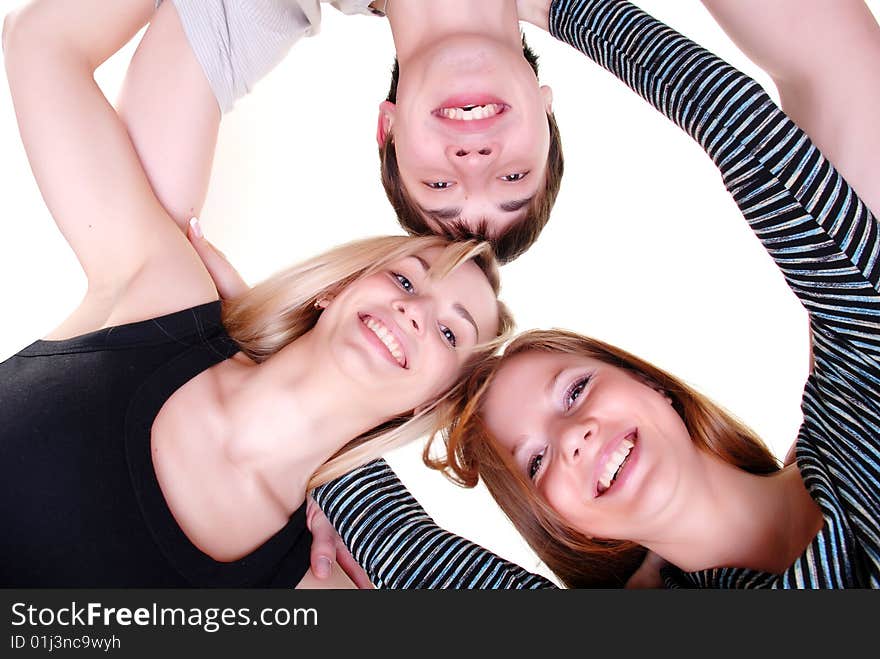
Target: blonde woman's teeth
387,338
471,112
615,462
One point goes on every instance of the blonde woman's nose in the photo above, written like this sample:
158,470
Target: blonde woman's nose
413,312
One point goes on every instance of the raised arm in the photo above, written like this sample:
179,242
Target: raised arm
824,57
821,235
400,546
86,168
171,115
195,60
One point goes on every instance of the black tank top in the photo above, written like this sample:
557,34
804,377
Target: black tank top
80,505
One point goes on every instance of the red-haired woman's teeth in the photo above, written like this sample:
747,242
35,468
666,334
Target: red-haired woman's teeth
615,462
471,112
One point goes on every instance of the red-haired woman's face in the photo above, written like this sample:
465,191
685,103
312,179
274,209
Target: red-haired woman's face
603,448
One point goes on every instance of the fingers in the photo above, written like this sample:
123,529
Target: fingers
351,567
648,574
324,539
226,278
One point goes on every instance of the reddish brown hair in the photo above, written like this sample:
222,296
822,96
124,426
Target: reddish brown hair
579,561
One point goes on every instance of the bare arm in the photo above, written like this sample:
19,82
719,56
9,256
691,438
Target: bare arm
824,57
137,263
171,115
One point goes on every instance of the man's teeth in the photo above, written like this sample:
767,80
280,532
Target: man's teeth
615,462
387,338
471,112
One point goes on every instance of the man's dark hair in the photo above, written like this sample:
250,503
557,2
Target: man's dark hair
517,237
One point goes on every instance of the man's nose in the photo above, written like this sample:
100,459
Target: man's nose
477,153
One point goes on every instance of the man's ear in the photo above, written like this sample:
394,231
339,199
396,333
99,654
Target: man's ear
547,96
387,111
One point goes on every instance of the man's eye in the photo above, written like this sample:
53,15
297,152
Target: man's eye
405,283
518,176
439,185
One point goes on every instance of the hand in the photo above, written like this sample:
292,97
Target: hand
327,547
648,574
536,12
226,278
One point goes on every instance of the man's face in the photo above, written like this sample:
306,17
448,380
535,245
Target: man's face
471,133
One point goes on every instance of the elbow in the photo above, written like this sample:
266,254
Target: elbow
8,21
15,39
25,31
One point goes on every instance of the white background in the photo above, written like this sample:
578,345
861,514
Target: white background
645,249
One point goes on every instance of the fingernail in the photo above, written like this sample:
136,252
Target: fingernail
196,227
323,567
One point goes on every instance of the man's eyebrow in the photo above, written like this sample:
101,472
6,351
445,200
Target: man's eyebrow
449,213
461,311
513,206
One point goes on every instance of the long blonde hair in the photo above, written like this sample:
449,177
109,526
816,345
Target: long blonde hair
471,452
279,310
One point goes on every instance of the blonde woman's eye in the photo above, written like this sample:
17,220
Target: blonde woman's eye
439,185
448,334
535,463
511,178
404,283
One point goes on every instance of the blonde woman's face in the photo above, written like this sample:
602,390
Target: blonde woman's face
405,334
604,449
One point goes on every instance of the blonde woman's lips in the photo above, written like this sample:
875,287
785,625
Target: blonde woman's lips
383,336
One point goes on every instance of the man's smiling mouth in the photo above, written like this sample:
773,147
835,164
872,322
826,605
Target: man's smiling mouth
471,112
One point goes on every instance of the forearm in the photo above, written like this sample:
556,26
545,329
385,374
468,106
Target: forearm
171,115
69,30
78,150
823,58
536,12
199,56
822,237
799,40
400,546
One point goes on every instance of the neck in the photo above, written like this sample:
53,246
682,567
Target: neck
416,24
731,518
287,416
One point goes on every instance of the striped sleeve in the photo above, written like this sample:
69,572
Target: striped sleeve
400,546
823,239
821,235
